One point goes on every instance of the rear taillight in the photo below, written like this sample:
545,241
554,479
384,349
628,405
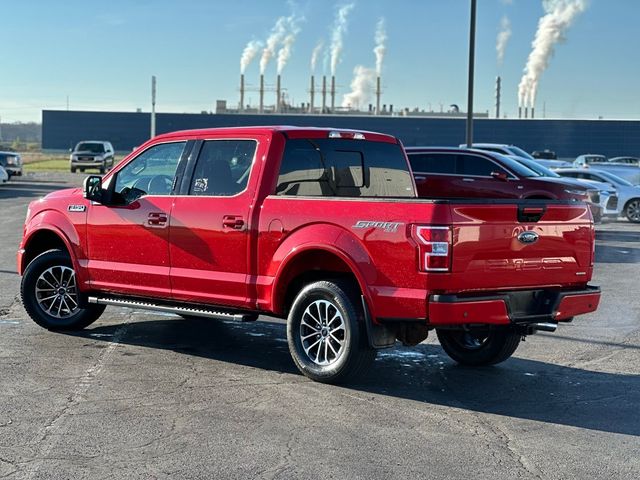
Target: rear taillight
434,247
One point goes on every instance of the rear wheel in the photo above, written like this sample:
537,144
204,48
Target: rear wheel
50,294
326,334
632,210
477,348
73,169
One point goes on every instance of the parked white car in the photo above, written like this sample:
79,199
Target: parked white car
602,194
583,161
635,161
628,194
4,176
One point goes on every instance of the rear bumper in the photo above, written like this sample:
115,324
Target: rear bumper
512,308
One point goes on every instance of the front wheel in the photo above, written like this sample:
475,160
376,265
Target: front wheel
50,294
478,348
326,334
632,210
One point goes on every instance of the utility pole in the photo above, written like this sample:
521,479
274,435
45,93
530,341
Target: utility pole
472,54
153,106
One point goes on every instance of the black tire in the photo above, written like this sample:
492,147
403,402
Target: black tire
479,348
102,170
632,210
353,355
78,318
82,170
73,169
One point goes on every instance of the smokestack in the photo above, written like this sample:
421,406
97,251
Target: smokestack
261,106
312,92
532,111
241,106
278,94
498,81
526,112
333,93
519,112
378,95
324,93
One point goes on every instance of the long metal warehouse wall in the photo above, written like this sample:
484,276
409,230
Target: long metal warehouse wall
569,138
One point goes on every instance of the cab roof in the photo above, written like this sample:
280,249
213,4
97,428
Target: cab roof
288,130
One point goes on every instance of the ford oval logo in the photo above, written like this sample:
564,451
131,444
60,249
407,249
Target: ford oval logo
528,237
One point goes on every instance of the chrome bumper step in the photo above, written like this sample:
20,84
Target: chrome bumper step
178,310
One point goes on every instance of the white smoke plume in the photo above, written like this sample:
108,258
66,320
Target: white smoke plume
337,34
249,53
362,87
293,24
380,48
559,16
503,38
315,55
278,32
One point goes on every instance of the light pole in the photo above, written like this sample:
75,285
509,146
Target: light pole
472,54
153,106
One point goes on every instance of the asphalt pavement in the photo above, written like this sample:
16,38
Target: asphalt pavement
143,395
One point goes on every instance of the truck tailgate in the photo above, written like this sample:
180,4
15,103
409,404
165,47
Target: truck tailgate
491,249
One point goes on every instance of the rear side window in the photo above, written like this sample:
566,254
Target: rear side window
223,168
473,165
344,168
441,163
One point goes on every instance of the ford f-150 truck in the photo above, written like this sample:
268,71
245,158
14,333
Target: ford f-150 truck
321,227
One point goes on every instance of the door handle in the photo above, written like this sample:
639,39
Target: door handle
157,219
232,221
467,180
420,177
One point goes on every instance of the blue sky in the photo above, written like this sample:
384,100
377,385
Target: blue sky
102,54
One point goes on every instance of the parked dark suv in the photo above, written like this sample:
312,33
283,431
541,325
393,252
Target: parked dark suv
92,154
469,173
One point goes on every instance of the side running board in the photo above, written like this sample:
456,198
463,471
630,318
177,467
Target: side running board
178,310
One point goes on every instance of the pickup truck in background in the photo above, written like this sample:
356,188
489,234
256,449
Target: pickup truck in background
321,227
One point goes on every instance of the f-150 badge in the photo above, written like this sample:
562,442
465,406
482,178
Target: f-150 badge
77,208
390,227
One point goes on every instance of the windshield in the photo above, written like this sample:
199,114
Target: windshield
616,180
516,167
90,147
519,152
539,169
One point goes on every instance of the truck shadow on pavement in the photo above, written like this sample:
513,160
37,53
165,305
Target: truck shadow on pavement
518,388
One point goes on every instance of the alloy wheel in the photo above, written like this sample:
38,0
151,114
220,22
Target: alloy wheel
322,332
56,292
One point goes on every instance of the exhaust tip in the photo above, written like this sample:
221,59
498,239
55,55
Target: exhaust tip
545,327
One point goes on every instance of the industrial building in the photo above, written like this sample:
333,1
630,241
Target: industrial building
62,129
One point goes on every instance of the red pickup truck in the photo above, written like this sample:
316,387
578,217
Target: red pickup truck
321,227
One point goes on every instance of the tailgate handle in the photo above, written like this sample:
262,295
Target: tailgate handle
531,213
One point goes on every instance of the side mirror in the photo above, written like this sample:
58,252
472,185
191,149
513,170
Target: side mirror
499,176
92,188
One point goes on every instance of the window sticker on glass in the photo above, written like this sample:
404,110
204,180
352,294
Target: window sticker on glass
200,185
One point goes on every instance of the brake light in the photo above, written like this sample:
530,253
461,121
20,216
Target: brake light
434,247
351,135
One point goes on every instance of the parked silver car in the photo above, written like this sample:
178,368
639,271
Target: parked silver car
512,150
601,194
4,176
628,194
11,162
